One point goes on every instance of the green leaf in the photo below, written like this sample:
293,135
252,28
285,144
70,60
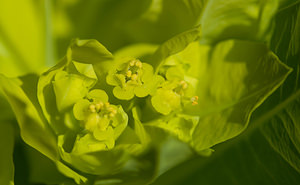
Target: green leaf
34,129
235,78
267,153
283,133
89,51
286,4
47,99
236,19
98,163
173,46
6,155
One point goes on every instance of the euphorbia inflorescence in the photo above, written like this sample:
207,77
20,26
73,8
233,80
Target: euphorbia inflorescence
131,77
174,93
104,121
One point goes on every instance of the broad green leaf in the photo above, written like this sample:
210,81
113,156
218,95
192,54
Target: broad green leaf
47,99
267,153
245,160
6,154
283,134
235,77
34,129
236,19
286,4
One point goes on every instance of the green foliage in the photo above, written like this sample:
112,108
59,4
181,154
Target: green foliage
267,153
129,115
236,19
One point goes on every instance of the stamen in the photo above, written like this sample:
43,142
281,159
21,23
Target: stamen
132,62
111,115
139,64
183,84
92,108
195,100
134,77
128,74
98,106
106,104
114,111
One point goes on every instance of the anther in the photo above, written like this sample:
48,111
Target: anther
114,111
92,108
107,104
132,62
134,77
139,64
183,84
128,74
111,115
98,106
195,100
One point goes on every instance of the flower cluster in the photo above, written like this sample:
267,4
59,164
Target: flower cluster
108,115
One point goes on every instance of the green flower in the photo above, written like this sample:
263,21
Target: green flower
175,92
132,77
103,122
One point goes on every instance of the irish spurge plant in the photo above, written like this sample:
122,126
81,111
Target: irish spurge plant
104,118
